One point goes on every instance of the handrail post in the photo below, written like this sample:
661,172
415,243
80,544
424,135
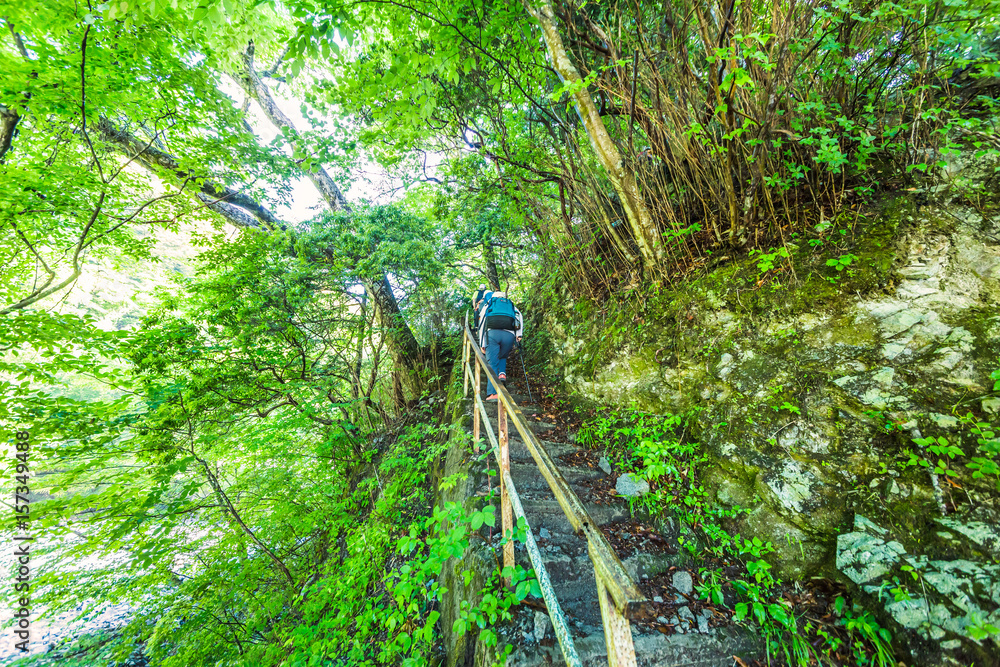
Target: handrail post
465,365
475,418
465,358
505,509
617,631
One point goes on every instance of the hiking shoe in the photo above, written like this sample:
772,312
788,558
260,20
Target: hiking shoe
492,397
502,377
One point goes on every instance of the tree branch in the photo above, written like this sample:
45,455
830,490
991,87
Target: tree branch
154,158
255,88
8,117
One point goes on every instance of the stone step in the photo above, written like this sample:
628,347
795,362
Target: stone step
519,450
545,512
571,572
529,411
713,649
538,426
526,474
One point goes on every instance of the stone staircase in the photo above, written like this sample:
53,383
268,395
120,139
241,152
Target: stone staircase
681,630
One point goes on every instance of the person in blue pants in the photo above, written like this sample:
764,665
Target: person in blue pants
498,343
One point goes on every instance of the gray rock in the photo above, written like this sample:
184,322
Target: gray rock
605,465
914,289
845,380
883,377
542,624
662,619
899,322
986,537
961,339
920,271
892,350
631,485
685,619
657,598
864,558
682,583
948,359
544,534
944,421
724,368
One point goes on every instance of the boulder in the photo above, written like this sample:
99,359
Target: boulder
604,465
631,485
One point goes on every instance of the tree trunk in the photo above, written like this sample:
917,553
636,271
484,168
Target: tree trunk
622,178
8,125
359,351
402,343
406,356
490,259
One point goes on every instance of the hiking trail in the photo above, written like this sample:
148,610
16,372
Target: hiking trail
679,630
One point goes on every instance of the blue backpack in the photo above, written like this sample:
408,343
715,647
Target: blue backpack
500,314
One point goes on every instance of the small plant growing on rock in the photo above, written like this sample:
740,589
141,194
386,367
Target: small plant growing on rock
767,260
788,406
710,588
887,424
979,629
941,448
842,262
987,445
983,461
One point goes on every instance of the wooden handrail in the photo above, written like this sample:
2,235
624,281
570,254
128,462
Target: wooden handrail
608,568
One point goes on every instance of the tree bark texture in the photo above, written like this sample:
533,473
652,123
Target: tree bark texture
8,125
622,178
490,259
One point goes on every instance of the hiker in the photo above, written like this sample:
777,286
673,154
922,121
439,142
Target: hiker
500,326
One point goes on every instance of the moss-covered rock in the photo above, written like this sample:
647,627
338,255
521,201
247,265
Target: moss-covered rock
813,383
942,591
462,578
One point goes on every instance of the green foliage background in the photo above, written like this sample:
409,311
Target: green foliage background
250,476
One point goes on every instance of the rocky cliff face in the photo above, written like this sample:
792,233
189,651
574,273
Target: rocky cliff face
813,384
